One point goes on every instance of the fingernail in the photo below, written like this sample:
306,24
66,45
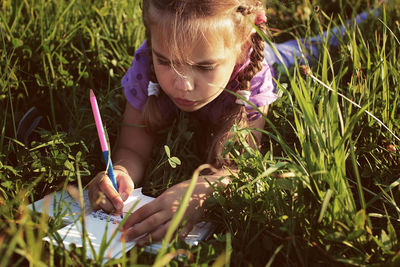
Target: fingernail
124,196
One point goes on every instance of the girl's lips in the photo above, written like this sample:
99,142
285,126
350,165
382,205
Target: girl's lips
184,102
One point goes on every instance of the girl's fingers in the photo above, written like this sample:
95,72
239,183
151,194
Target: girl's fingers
104,203
154,236
141,214
186,230
99,201
106,186
148,225
94,191
160,232
125,187
102,193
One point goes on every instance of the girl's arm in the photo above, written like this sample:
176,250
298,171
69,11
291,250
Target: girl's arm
134,145
152,220
259,123
130,159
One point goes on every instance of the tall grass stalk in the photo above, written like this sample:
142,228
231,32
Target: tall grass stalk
178,217
357,105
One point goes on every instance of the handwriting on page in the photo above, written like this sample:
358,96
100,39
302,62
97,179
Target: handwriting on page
101,215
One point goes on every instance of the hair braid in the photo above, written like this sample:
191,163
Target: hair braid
238,114
256,58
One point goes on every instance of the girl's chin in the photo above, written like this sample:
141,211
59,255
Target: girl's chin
190,108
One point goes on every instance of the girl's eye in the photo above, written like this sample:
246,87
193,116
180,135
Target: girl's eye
163,62
206,67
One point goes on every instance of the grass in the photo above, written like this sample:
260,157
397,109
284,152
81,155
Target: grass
323,188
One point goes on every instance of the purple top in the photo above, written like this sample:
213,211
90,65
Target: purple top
136,79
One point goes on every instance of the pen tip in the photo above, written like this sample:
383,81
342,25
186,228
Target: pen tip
91,93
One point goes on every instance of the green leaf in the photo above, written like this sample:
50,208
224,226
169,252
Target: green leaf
173,164
286,184
63,72
62,59
7,184
392,233
69,165
176,160
167,151
359,219
385,240
336,236
17,43
325,203
355,234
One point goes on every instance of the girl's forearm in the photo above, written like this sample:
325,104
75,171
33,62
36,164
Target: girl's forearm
130,162
220,177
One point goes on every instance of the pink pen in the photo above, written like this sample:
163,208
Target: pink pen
102,138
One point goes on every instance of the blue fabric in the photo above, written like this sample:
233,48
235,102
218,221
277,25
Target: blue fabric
304,48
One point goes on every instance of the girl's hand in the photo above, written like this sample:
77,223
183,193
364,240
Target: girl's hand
153,219
102,194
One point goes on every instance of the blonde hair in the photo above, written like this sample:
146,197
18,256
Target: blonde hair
185,22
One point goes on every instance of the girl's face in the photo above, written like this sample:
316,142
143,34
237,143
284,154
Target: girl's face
195,83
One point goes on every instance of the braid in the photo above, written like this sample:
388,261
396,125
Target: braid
244,10
256,58
238,114
222,133
257,43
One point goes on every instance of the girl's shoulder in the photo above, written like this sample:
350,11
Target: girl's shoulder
263,87
142,53
137,77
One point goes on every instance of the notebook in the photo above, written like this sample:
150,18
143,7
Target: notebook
100,225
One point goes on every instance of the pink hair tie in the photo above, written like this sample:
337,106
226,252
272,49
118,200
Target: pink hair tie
260,18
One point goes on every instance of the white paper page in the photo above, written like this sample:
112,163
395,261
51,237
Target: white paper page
98,223
61,204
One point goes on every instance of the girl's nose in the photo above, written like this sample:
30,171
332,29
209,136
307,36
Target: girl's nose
183,83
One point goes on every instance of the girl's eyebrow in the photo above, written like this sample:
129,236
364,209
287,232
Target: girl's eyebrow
204,62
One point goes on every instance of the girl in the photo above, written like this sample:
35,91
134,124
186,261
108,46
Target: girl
194,49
